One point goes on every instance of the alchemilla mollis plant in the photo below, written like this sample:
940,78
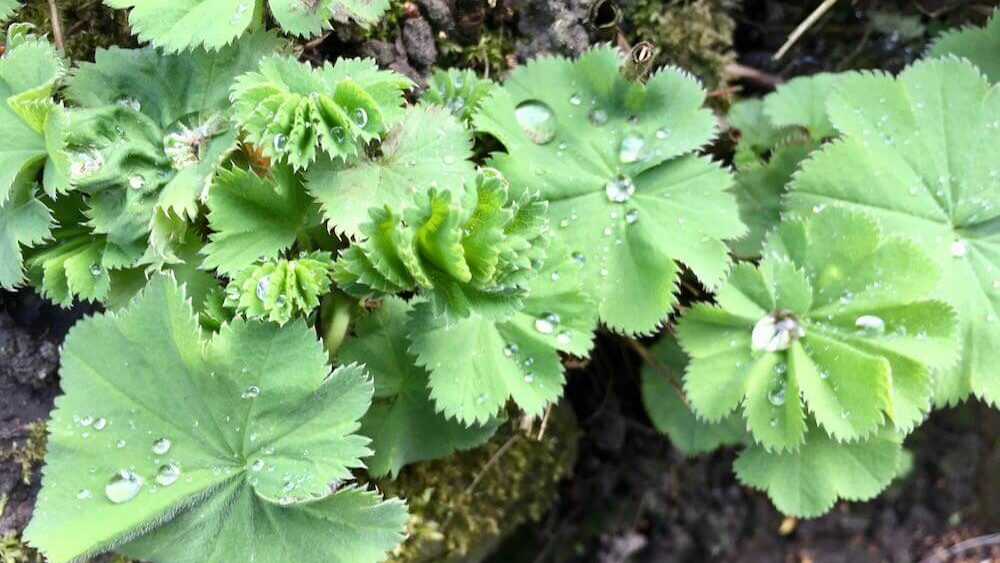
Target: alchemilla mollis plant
308,283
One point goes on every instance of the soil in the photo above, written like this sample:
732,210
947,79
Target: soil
632,497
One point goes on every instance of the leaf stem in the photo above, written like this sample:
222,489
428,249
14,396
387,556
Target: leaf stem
335,316
656,364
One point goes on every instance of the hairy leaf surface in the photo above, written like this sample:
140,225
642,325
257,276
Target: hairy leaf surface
615,160
981,45
402,421
166,445
920,152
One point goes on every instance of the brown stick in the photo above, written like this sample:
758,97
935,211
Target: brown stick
57,33
656,364
803,27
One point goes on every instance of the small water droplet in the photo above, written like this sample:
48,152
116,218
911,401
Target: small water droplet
575,100
546,323
509,350
168,474
86,420
598,116
776,396
845,415
83,494
262,287
95,269
564,337
120,444
631,216
123,486
630,149
529,377
241,11
361,117
136,182
279,142
258,465
162,446
870,324
537,120
100,423
127,102
250,392
619,189
603,272
480,399
578,257
662,133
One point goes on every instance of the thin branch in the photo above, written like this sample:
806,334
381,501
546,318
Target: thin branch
656,364
57,32
752,74
803,27
959,548
489,464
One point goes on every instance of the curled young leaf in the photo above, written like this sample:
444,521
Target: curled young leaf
278,290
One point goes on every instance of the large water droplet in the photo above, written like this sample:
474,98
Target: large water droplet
536,120
619,189
630,148
870,324
162,446
775,332
546,323
250,392
123,486
168,474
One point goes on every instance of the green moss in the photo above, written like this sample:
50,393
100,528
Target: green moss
13,550
30,451
696,35
488,57
86,25
461,507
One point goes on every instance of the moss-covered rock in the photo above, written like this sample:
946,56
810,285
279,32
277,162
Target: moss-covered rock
696,35
463,506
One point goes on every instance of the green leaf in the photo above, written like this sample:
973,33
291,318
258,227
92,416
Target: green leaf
981,45
801,102
835,319
7,9
669,413
427,148
24,221
759,191
278,290
288,107
615,161
468,252
920,153
176,25
253,217
402,423
163,443
806,483
459,91
513,358
28,73
755,132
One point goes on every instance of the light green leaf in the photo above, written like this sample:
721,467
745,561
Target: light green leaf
426,149
289,108
176,25
759,191
671,415
402,423
801,102
835,319
253,217
615,161
28,73
755,133
920,152
515,358
162,445
24,221
459,91
806,483
278,290
981,45
7,9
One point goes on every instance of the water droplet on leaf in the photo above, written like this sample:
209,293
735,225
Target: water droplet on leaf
536,120
168,474
619,189
123,486
161,446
